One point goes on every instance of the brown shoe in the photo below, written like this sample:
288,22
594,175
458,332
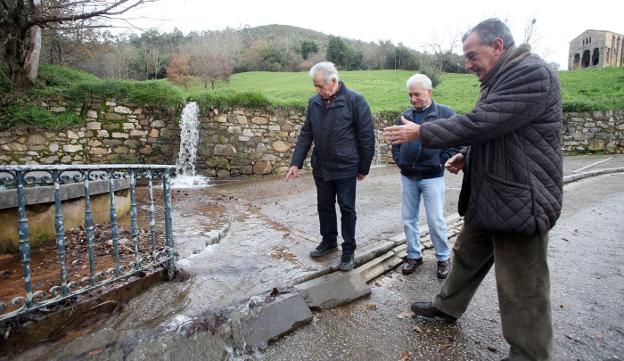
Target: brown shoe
410,265
443,268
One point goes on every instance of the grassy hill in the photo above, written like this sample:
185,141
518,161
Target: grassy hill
583,90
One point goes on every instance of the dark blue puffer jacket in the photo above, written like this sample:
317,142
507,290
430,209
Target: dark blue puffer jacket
343,136
417,161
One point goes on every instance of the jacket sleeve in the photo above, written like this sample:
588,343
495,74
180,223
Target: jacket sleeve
365,134
396,148
511,104
304,142
448,152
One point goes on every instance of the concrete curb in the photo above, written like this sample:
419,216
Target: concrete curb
578,176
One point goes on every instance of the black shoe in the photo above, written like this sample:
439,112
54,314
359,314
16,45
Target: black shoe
410,265
346,263
426,309
443,269
323,249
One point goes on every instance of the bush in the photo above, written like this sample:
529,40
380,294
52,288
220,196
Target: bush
224,100
432,74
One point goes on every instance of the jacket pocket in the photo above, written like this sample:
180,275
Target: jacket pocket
503,206
346,156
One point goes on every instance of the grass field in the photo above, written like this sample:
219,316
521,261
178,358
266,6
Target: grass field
582,90
384,89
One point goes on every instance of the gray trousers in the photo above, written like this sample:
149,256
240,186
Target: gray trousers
522,282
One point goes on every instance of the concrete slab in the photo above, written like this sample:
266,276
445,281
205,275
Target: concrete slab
255,327
333,290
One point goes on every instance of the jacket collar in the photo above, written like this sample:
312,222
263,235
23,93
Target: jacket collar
434,110
340,97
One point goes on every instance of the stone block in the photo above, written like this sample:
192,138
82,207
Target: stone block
36,139
114,116
110,103
224,150
119,135
154,133
57,109
262,167
71,148
223,173
99,151
128,126
241,119
92,114
255,327
280,146
14,147
157,124
333,290
122,110
72,135
243,138
138,133
103,133
259,120
94,143
248,133
53,147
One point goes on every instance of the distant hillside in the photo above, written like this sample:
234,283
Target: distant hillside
216,54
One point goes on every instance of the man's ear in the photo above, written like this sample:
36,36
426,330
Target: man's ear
498,46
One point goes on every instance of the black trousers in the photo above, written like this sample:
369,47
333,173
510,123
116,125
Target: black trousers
326,195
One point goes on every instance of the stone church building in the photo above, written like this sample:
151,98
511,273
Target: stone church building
596,49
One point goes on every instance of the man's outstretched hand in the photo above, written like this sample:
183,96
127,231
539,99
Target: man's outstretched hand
397,134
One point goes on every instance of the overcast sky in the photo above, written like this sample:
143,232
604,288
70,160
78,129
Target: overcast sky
414,23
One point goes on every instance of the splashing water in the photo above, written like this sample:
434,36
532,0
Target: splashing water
189,138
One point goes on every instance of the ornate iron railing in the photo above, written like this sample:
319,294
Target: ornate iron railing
16,181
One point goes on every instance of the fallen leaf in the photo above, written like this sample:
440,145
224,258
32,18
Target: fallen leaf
405,315
405,356
371,306
416,328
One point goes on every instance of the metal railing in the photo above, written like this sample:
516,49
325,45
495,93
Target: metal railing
21,179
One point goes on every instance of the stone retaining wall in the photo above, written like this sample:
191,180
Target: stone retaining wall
242,141
594,132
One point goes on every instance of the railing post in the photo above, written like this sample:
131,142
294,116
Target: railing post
133,219
60,232
168,225
152,214
89,226
113,220
23,236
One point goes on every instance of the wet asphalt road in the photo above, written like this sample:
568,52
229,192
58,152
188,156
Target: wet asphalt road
274,226
585,254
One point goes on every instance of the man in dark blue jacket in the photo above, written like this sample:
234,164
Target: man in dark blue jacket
422,175
339,122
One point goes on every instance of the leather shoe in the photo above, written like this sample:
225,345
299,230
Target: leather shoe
410,265
346,263
443,269
323,249
426,309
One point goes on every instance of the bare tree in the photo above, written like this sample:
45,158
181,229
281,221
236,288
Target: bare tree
21,22
443,50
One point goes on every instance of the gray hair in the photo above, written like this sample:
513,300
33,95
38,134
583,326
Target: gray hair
490,29
327,68
421,80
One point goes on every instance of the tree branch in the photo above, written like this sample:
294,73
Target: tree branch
100,12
